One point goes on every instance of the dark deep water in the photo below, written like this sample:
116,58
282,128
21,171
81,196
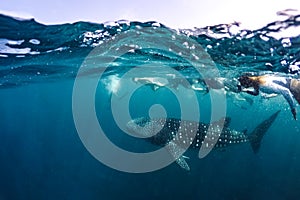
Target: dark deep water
42,156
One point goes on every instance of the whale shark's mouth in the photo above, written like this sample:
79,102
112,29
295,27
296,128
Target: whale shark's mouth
137,125
141,121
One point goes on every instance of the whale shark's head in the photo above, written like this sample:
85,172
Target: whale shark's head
145,127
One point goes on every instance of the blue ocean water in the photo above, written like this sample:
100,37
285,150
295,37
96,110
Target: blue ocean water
42,156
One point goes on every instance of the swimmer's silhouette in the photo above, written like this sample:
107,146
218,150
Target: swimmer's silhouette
270,84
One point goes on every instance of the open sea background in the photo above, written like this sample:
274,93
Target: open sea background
42,156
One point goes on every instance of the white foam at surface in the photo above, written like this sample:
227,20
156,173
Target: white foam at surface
8,50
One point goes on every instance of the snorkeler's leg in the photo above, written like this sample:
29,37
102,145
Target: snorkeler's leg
289,97
295,89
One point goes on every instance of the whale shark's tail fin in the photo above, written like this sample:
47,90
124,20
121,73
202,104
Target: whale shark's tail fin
259,132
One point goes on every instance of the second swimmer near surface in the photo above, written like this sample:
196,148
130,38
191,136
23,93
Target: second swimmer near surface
270,84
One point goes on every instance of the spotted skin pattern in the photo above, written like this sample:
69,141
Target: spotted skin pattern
178,135
182,133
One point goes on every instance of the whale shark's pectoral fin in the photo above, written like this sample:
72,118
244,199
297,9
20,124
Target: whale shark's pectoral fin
182,163
176,152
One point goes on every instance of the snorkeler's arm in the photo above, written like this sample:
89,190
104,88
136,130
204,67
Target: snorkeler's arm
254,92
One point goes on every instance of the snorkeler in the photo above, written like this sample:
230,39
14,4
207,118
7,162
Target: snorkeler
270,84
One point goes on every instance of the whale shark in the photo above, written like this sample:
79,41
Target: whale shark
176,134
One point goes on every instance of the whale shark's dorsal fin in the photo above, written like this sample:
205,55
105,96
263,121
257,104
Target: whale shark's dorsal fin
224,120
176,152
227,121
